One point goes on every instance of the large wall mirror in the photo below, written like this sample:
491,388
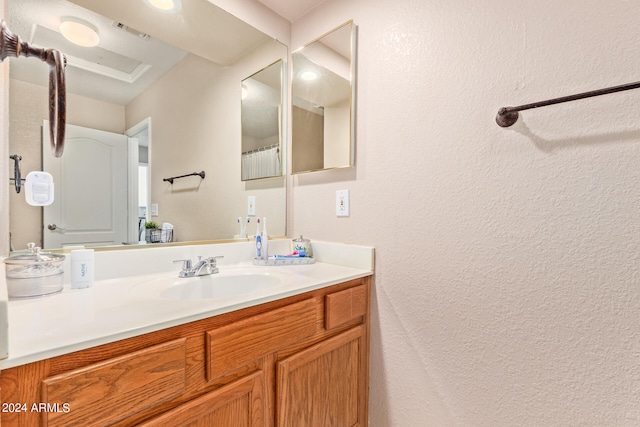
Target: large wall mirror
323,89
165,87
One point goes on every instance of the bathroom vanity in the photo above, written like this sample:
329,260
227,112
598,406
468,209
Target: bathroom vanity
294,353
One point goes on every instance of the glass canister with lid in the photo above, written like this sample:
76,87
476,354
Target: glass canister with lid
35,274
302,244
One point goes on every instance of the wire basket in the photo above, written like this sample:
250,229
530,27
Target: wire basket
158,235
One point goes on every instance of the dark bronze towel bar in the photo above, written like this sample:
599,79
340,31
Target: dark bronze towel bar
200,174
509,115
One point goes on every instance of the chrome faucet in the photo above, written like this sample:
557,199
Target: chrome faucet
203,267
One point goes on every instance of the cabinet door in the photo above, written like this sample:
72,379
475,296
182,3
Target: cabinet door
238,404
324,385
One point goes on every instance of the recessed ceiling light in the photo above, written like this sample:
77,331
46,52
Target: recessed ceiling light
79,32
308,75
167,6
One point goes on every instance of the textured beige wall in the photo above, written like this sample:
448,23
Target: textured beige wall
195,122
507,260
29,107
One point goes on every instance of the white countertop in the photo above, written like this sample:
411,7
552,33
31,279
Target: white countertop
117,308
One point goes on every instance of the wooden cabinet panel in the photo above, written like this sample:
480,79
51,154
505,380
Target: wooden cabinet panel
239,404
297,362
322,385
106,392
232,346
344,306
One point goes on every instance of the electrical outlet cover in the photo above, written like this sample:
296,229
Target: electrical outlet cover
342,203
251,205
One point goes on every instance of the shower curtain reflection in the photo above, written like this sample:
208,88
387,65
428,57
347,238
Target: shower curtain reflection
261,163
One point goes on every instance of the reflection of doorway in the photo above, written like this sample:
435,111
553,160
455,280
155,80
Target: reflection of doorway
140,166
90,189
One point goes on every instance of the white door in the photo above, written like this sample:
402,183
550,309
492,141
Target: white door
90,182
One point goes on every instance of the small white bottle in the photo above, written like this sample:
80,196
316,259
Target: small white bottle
82,270
265,239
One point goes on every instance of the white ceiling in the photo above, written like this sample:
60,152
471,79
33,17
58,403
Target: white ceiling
291,9
108,72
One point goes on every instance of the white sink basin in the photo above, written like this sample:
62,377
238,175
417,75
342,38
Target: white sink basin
214,286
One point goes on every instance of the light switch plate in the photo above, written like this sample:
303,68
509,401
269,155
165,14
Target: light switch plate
342,203
154,209
251,205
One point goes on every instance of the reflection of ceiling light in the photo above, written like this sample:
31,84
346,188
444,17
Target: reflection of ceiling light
245,92
79,32
308,75
167,6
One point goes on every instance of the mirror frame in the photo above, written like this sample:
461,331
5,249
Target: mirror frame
352,94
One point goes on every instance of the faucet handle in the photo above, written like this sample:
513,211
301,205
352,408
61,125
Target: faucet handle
212,262
213,259
186,266
186,263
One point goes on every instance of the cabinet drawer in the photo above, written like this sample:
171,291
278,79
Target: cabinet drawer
103,393
237,344
344,306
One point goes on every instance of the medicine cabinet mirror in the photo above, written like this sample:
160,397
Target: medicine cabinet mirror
262,123
323,89
172,81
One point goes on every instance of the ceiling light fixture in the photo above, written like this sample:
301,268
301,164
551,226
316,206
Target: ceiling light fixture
308,75
79,32
166,6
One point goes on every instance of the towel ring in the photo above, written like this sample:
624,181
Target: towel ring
12,46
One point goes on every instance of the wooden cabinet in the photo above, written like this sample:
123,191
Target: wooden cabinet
321,386
301,361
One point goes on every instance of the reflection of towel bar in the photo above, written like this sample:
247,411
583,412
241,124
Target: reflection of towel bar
200,174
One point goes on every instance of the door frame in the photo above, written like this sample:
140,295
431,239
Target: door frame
133,172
